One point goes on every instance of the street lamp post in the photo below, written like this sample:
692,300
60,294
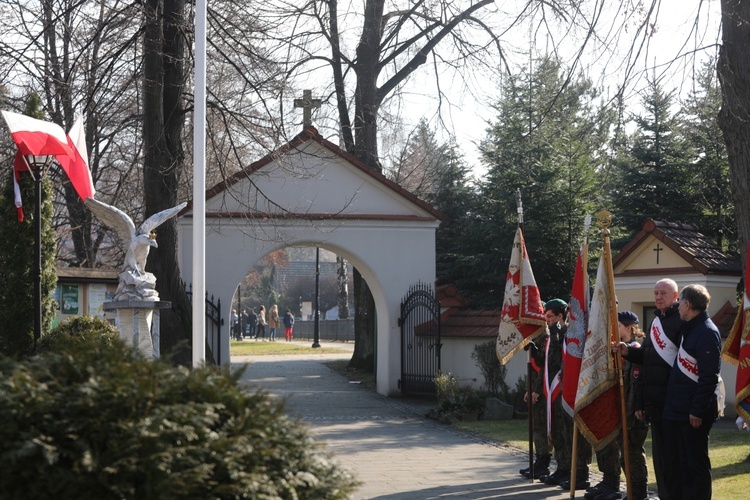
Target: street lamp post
38,166
316,331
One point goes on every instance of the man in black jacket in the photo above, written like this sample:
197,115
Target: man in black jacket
691,408
656,357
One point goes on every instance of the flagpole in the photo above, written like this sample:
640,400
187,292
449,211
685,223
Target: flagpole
584,265
529,367
199,190
605,219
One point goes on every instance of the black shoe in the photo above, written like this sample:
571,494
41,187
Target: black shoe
538,473
524,472
610,495
555,478
581,484
593,491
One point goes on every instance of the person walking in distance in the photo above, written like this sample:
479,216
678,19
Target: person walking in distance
656,357
261,327
273,322
288,325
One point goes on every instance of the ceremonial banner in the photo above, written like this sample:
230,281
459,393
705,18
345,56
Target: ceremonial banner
522,316
597,403
576,336
737,351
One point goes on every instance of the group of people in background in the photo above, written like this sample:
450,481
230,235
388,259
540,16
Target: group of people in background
256,322
672,386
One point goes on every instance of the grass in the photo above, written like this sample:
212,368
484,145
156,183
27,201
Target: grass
729,450
253,348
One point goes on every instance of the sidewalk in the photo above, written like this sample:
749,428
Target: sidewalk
392,449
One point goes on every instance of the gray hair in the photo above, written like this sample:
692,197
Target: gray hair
697,295
668,281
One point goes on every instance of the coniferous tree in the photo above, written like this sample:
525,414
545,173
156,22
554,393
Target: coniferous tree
17,261
708,173
455,198
547,142
654,181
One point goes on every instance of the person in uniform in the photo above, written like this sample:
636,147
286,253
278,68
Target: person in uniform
556,312
611,458
542,448
656,357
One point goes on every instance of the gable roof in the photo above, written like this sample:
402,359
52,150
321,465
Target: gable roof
470,323
310,136
699,253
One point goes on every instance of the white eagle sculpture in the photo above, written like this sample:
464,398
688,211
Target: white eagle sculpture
136,244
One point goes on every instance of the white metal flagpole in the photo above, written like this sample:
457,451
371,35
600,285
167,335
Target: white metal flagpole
199,188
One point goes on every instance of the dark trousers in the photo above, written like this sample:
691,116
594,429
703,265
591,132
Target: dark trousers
691,446
666,462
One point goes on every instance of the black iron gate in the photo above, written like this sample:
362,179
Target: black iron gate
420,340
213,324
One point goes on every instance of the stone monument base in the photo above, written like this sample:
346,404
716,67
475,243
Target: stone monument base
138,324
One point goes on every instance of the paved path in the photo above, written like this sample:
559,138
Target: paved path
386,442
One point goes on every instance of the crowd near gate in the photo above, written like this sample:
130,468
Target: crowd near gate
420,340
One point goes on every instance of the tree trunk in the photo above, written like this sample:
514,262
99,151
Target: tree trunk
363,357
164,78
734,117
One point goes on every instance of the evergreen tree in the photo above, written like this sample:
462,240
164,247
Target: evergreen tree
17,261
454,197
654,181
546,141
709,170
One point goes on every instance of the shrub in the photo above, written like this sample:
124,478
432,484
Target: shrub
79,330
454,400
493,372
90,418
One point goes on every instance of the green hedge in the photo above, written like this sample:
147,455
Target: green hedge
89,418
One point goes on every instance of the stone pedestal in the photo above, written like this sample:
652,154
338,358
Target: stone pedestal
138,323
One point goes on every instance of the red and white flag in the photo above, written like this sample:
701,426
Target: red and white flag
597,403
77,165
576,336
737,351
522,316
40,138
36,137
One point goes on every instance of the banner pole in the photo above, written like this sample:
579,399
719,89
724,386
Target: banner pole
529,368
614,340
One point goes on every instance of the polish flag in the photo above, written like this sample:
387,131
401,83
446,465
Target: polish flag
36,137
77,165
40,138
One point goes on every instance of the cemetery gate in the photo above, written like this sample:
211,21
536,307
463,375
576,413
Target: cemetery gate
420,340
213,324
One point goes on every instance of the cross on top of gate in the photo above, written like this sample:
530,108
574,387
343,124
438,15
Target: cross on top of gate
307,103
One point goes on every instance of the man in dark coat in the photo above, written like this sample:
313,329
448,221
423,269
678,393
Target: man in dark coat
656,357
691,406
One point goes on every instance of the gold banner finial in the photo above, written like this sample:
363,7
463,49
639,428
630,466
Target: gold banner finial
604,219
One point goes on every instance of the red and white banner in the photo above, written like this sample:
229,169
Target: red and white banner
36,137
39,138
576,336
77,165
522,315
737,351
597,403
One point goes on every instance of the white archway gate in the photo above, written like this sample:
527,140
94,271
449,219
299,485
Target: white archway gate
311,193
